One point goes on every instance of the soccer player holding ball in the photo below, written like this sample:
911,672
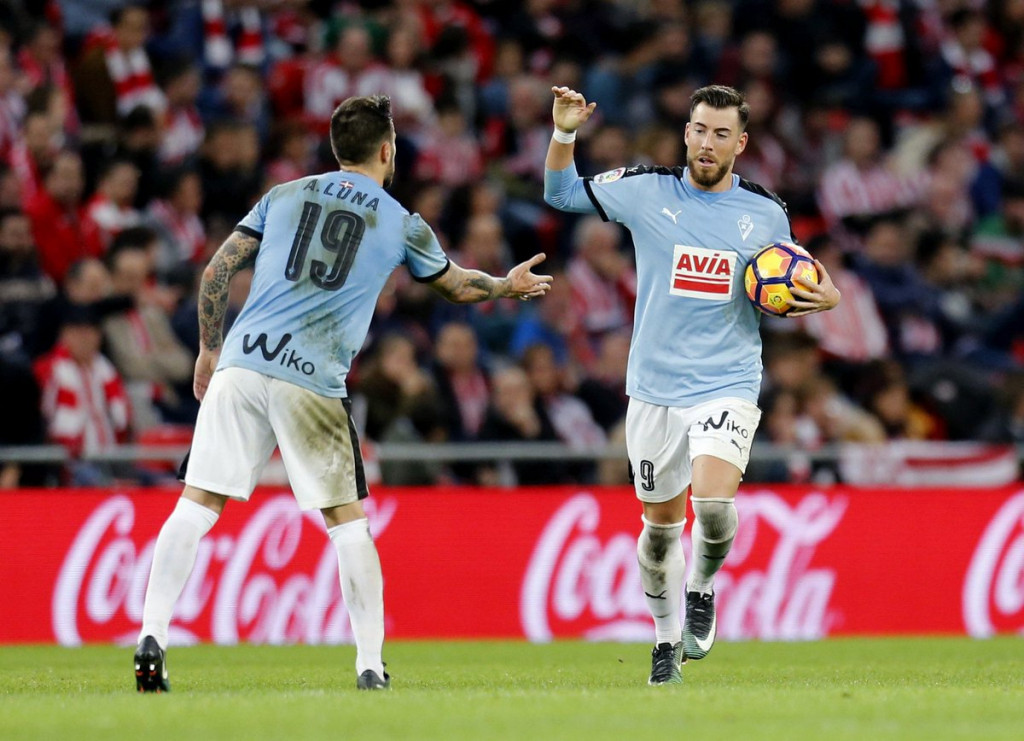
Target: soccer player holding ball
695,360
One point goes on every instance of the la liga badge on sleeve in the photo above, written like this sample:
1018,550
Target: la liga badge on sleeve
609,177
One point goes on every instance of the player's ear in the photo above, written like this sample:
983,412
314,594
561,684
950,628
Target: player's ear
742,143
387,152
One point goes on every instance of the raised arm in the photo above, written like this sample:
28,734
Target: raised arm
563,188
238,251
462,286
569,111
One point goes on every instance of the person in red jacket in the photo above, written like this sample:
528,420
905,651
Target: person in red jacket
62,233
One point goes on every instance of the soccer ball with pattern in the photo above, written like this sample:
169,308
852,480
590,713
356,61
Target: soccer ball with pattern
773,271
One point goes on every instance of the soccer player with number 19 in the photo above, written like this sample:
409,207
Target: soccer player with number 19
694,369
323,247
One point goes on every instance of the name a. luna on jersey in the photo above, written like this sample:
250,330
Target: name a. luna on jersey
343,192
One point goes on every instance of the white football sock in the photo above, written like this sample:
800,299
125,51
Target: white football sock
174,557
362,586
713,532
662,570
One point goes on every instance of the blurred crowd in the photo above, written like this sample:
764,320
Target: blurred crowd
134,136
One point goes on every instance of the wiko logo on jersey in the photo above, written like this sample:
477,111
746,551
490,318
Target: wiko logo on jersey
289,358
702,273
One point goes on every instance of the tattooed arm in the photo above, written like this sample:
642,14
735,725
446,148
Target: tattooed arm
238,252
462,286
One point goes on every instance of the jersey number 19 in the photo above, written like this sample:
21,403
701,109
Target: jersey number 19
341,234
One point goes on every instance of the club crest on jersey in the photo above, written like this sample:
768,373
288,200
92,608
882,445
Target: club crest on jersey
702,273
746,225
609,177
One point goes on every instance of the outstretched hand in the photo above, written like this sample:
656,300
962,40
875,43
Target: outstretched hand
570,109
810,298
523,284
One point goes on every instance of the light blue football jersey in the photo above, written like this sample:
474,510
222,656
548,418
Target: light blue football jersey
695,334
328,244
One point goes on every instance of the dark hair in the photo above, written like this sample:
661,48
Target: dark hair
132,239
358,126
721,96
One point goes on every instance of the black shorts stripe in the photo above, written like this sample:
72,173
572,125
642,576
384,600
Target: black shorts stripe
593,199
357,455
183,468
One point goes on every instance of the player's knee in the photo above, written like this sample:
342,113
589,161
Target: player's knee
657,541
718,519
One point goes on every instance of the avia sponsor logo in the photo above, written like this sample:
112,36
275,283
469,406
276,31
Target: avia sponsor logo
289,358
993,592
723,422
582,580
702,273
274,581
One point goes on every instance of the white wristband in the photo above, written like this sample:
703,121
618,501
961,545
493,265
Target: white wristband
564,137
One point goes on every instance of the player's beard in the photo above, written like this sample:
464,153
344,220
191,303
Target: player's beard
390,176
704,178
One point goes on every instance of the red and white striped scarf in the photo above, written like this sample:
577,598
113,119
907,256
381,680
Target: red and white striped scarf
186,230
217,47
86,407
133,79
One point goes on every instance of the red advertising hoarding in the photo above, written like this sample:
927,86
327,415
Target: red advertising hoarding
539,564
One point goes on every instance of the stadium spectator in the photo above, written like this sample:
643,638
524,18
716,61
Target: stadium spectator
87,284
33,153
400,403
175,218
114,75
462,382
884,392
155,366
350,69
449,153
83,398
515,415
62,232
291,153
182,135
569,415
24,287
854,332
230,170
558,323
111,207
41,65
602,279
862,183
239,97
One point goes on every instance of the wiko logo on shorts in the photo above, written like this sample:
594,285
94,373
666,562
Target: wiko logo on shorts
721,422
289,358
702,273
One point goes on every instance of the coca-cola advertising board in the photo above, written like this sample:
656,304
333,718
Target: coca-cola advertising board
542,563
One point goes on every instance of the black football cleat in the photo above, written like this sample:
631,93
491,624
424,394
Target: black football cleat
666,664
151,667
370,680
700,624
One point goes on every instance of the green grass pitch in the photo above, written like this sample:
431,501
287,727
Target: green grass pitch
921,688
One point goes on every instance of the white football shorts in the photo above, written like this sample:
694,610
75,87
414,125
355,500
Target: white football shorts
245,414
662,442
